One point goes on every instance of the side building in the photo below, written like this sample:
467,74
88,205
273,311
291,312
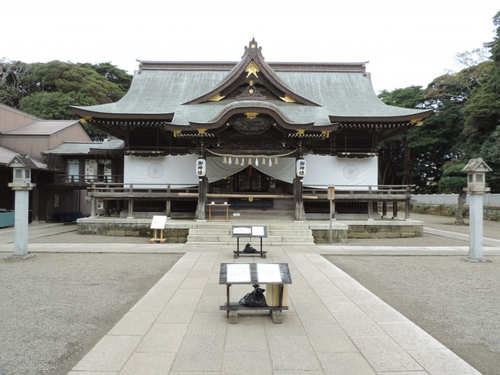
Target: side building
21,133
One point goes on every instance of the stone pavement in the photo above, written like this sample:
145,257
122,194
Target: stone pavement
334,326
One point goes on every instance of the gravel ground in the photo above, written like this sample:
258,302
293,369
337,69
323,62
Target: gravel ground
55,307
425,240
490,228
455,301
75,237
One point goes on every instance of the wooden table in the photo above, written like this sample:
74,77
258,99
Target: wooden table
216,205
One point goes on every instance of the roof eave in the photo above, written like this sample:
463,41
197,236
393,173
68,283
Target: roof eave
87,114
412,117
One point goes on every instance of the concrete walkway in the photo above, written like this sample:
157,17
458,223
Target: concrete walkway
334,326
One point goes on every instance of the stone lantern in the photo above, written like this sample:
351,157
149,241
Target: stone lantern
476,170
21,184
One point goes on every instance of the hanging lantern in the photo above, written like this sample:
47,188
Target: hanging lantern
270,162
230,161
276,161
263,161
256,162
224,160
249,161
236,161
242,161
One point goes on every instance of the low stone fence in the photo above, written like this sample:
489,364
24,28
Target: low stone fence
446,204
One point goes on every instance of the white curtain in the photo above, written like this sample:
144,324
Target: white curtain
331,170
179,171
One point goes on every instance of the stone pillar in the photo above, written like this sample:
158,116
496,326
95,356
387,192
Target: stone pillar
202,198
475,226
476,170
21,222
299,202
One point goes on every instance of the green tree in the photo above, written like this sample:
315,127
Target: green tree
47,90
54,105
482,113
453,180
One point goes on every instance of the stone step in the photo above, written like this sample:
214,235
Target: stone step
253,241
215,237
206,233
254,245
272,232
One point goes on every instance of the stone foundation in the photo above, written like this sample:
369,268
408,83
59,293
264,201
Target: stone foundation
368,229
128,227
385,230
177,230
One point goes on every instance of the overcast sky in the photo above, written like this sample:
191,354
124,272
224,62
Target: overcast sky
405,42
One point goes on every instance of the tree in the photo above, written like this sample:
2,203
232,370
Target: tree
47,90
453,180
482,113
54,105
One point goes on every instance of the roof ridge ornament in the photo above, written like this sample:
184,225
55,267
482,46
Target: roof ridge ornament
252,49
251,71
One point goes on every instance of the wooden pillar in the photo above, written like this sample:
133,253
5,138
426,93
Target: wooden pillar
202,198
384,209
394,209
92,207
130,208
35,215
407,209
299,202
375,209
168,204
406,167
370,204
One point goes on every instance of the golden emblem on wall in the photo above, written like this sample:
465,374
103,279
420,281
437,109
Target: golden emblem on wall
252,69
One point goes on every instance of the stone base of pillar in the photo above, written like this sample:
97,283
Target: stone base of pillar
18,258
477,260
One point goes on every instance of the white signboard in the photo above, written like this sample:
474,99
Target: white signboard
238,273
158,222
268,273
242,230
258,231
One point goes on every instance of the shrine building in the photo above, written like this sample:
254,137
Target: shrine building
254,134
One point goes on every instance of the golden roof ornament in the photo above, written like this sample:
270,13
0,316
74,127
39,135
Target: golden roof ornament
252,69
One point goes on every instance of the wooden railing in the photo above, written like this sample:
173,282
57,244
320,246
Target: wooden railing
84,179
362,192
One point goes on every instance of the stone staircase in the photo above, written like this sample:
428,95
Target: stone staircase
280,233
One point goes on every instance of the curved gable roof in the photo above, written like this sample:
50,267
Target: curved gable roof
322,93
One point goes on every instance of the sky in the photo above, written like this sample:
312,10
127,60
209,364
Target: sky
406,42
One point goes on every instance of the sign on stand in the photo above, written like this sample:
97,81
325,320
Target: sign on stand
158,223
249,231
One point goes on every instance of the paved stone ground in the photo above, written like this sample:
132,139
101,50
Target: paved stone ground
455,301
334,326
55,307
